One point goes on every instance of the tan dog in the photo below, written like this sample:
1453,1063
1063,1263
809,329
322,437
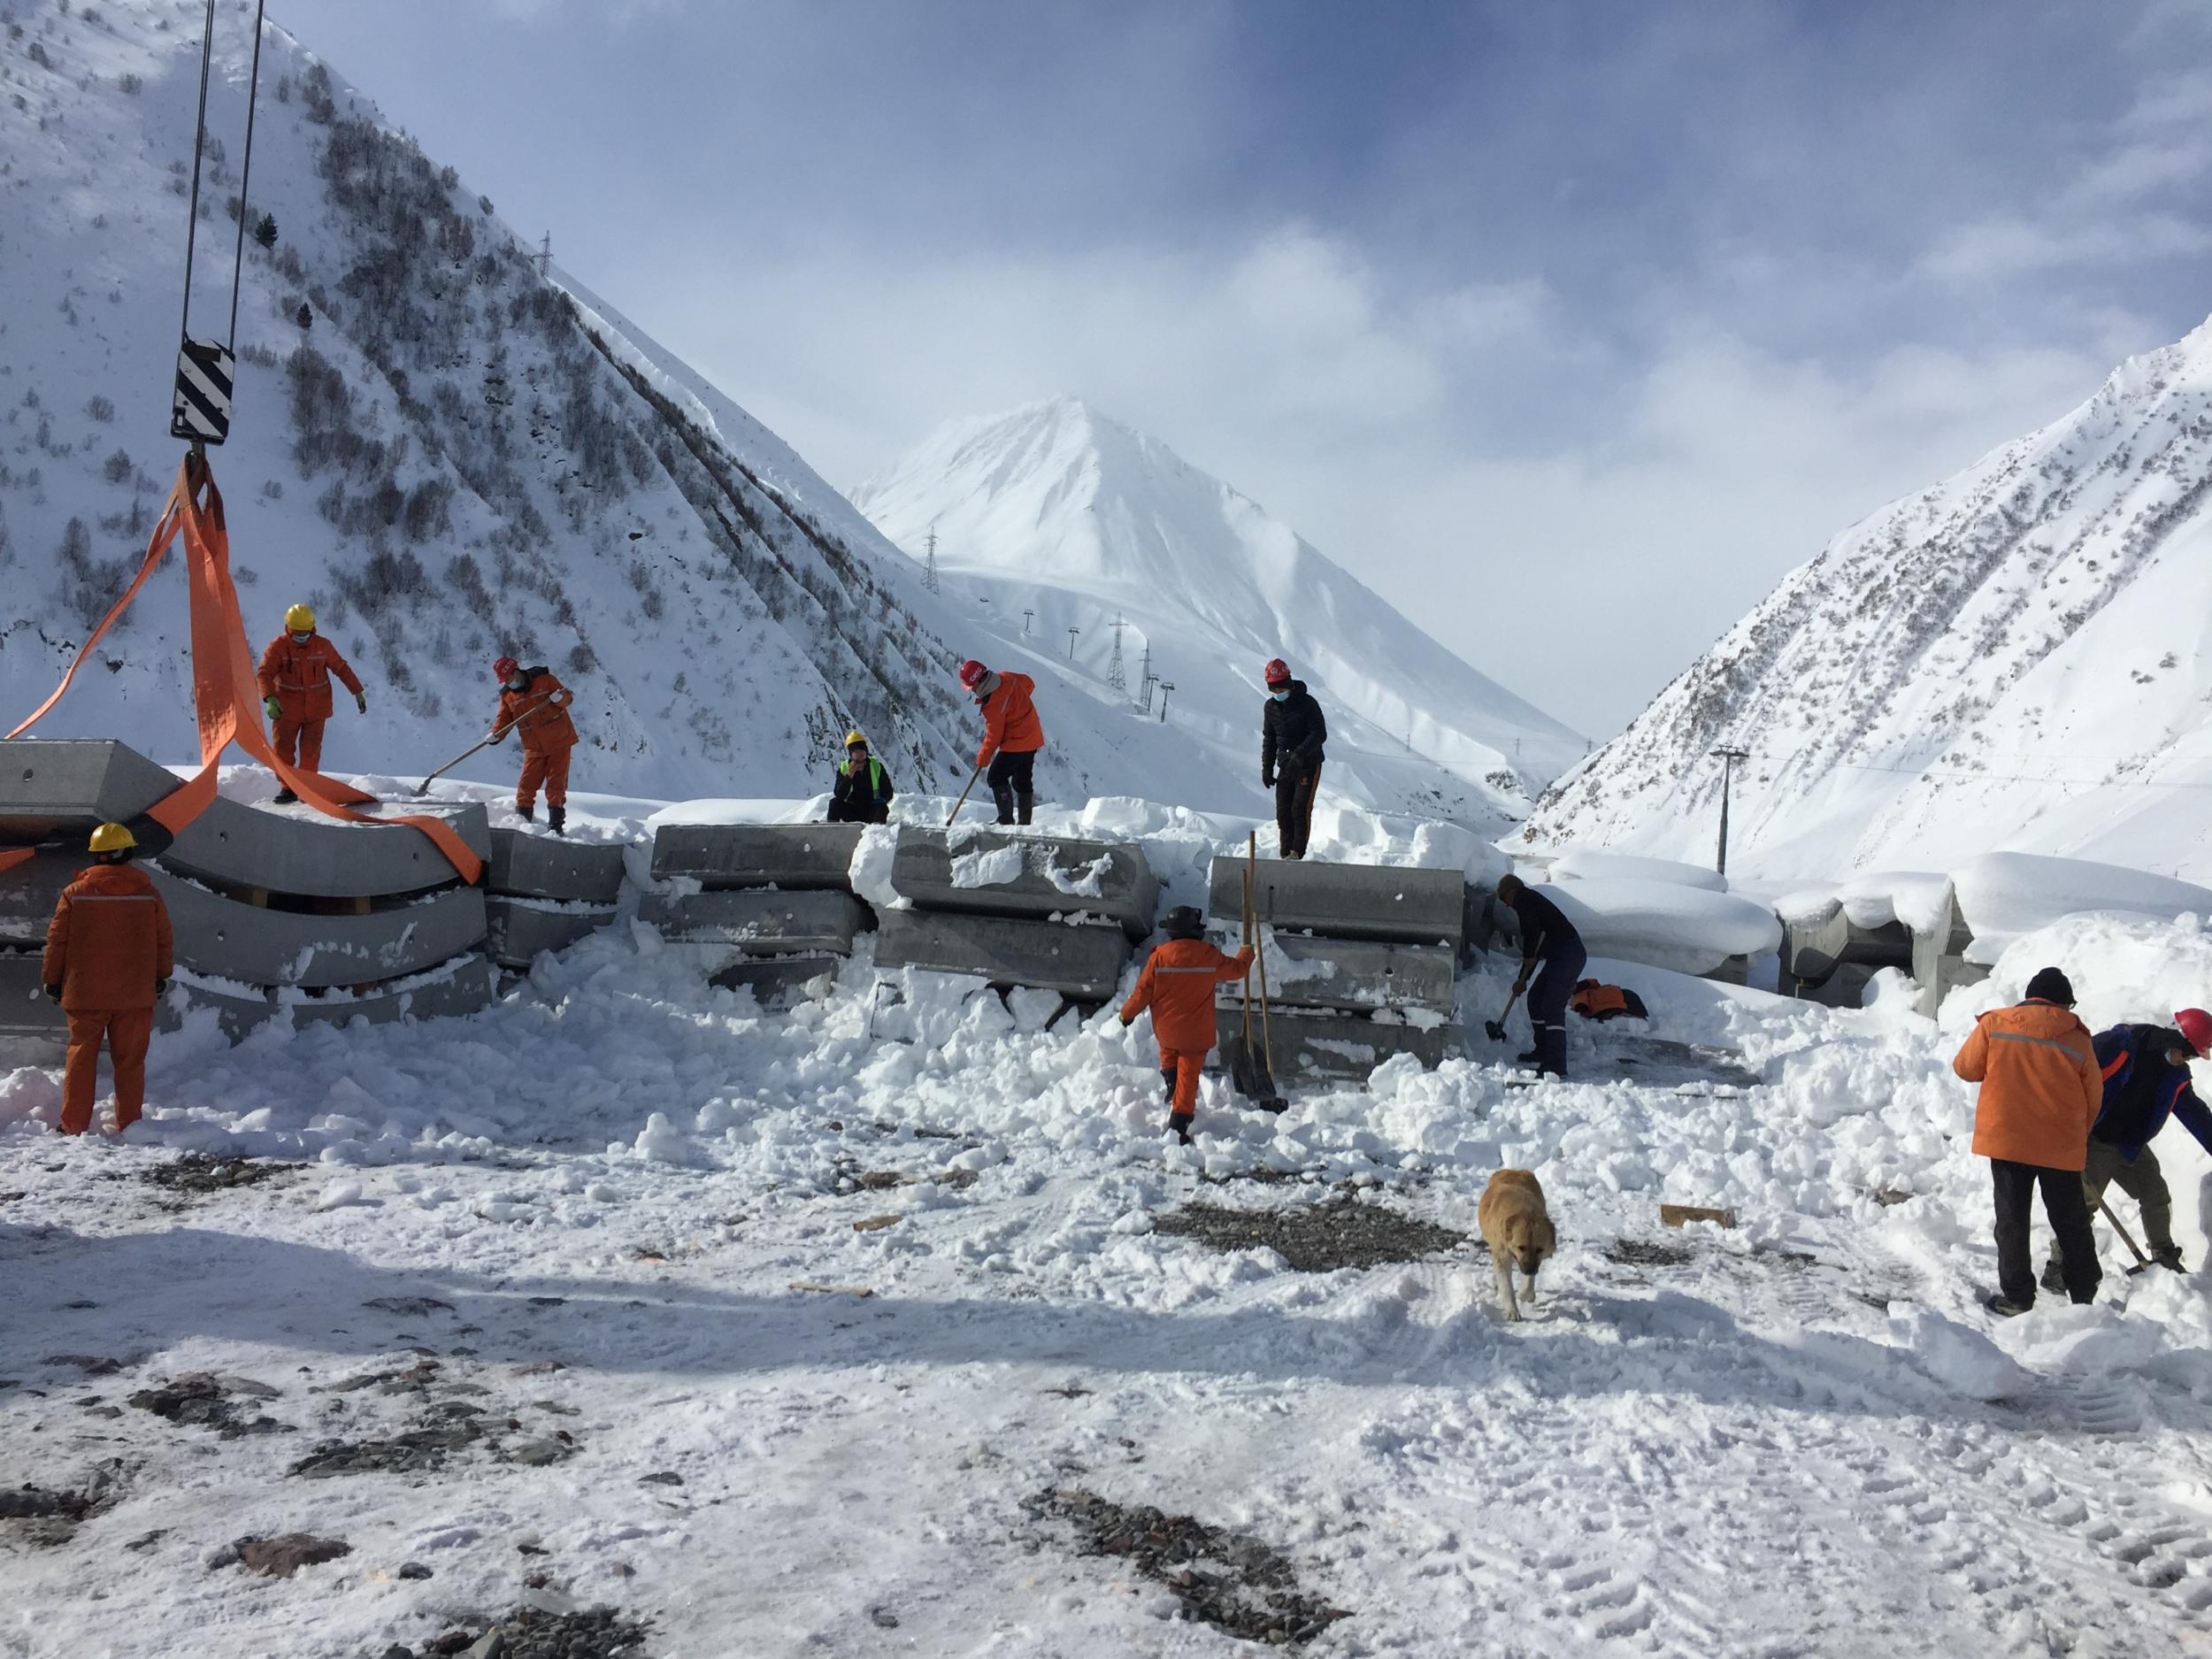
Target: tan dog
1517,1228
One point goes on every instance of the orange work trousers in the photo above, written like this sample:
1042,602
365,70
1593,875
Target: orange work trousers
547,766
127,1031
1180,1067
299,743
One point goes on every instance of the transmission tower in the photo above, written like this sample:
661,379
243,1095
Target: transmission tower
1146,678
929,562
545,257
1116,678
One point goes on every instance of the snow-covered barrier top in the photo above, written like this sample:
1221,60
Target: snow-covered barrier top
1665,925
1917,898
1588,864
2001,895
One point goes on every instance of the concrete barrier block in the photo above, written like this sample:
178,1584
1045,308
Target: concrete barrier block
759,922
516,929
464,986
721,856
1939,962
1309,1044
33,1031
28,891
1015,873
1814,945
1380,902
780,982
1357,973
53,787
231,939
535,866
1083,964
299,851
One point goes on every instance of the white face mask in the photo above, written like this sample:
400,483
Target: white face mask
1281,696
301,639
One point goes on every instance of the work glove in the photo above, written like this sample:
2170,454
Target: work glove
1267,780
361,701
1520,985
271,707
1125,1021
53,994
161,987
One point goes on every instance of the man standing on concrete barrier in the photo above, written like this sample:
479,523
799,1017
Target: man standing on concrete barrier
1293,733
1177,985
2146,1070
1012,735
1552,959
294,682
2041,1089
862,794
533,703
108,956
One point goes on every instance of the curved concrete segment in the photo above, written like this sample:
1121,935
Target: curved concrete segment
28,891
1005,873
760,923
1308,1044
778,981
302,852
465,986
33,1031
1814,945
1083,964
51,787
549,867
719,856
1357,973
516,930
244,942
1390,903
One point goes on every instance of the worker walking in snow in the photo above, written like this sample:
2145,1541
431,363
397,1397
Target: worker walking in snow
2041,1090
534,703
2146,1072
108,956
862,794
1552,959
295,684
1292,733
1012,735
1177,985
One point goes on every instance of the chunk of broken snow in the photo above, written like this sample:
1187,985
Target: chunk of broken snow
1136,1221
1587,864
870,871
338,1194
1663,924
993,869
1960,1359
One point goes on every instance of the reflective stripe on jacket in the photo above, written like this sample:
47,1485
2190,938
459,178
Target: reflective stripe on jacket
297,675
108,940
1177,985
2041,1086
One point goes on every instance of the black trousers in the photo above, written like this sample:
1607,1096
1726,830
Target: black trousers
1556,972
1013,783
2015,1183
1294,788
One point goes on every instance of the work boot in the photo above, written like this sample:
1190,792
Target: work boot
557,819
528,814
1528,1056
285,797
1023,806
2169,1256
2004,1307
2054,1276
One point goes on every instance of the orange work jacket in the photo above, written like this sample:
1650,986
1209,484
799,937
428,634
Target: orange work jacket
298,676
108,940
1177,985
2041,1087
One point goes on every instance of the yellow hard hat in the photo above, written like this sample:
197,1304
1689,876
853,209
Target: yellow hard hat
113,837
852,738
300,619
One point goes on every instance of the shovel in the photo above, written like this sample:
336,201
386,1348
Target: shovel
2142,1261
1495,1029
1253,1073
424,788
963,801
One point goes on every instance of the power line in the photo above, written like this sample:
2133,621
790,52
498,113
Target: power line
2008,777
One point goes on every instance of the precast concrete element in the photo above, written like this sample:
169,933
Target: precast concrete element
56,786
28,891
1083,962
1310,1043
778,981
1389,903
552,867
790,856
1938,959
1357,973
516,929
240,845
33,1030
1814,945
231,939
758,922
465,985
1004,872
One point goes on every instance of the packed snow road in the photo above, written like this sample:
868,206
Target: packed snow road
562,1308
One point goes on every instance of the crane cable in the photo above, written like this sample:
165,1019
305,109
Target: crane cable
245,171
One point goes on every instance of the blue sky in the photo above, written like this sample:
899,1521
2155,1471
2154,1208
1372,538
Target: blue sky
1569,328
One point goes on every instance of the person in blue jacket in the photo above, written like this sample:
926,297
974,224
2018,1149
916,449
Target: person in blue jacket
1552,959
2145,1081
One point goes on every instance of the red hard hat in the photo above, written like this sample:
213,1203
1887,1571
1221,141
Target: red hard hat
2196,1025
972,673
1276,672
505,667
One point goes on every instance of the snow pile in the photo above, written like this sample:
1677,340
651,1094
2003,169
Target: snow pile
1663,924
1960,1358
1918,898
2002,896
1585,864
991,869
2125,970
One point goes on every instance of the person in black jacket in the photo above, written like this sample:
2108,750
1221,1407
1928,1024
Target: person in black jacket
863,792
1293,730
1552,959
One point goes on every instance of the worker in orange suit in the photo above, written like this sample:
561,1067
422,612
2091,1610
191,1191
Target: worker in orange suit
108,959
294,682
1177,985
534,703
1012,735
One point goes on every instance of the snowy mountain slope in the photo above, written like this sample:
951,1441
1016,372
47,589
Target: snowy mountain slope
452,458
1056,510
2016,658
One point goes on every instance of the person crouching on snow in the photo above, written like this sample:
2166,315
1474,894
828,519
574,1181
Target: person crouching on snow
1177,985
